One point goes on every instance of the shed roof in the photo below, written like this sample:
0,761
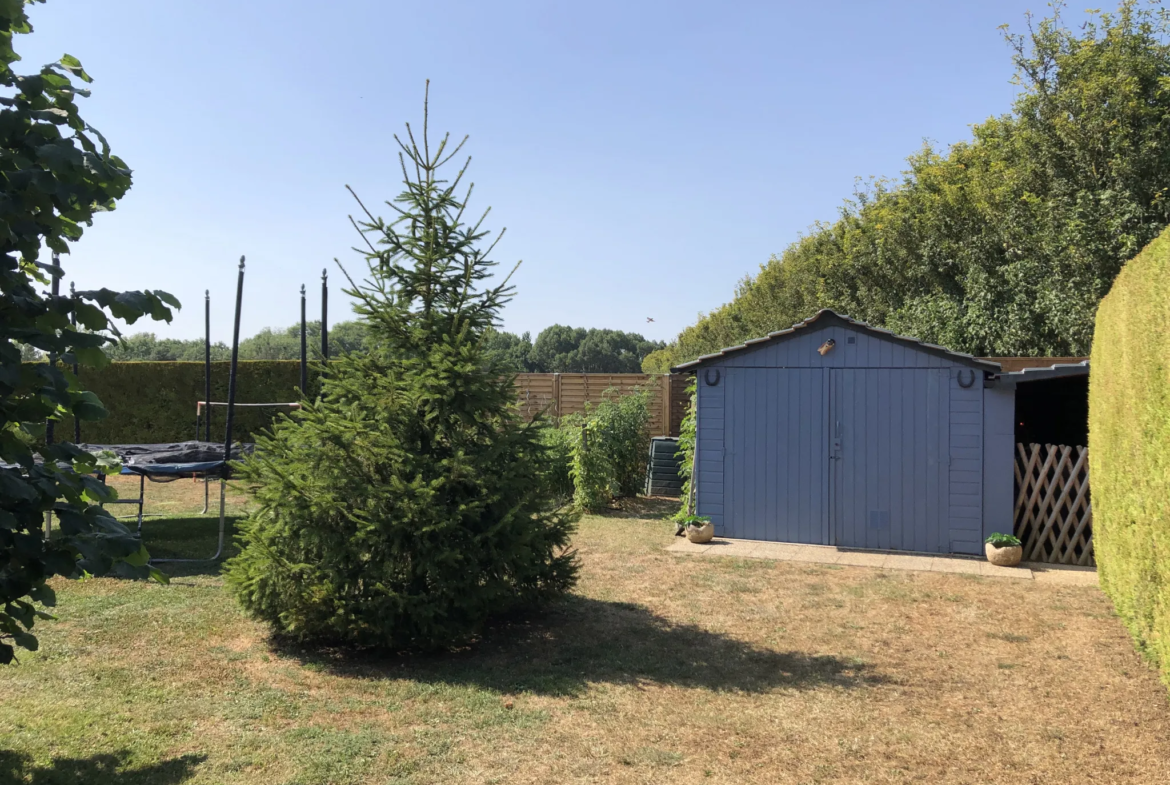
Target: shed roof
1052,372
825,318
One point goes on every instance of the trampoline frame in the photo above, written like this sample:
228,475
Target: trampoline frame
206,468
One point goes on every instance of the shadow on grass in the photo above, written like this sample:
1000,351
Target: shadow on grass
18,768
193,537
646,507
582,641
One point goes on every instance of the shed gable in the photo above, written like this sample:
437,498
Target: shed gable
852,348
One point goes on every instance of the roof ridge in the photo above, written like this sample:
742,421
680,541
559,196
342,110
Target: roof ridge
881,332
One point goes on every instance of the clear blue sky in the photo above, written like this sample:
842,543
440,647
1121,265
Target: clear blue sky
644,156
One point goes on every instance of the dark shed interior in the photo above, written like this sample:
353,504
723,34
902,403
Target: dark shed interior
1053,411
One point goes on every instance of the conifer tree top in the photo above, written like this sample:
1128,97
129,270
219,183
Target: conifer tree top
426,265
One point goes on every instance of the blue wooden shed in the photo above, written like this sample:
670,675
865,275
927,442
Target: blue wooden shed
837,433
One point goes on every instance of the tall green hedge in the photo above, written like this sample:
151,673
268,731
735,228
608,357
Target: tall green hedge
1129,448
154,402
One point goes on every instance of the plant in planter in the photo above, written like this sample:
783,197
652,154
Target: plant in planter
1004,550
698,528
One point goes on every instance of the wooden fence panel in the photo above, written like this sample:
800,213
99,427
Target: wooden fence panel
562,394
1053,515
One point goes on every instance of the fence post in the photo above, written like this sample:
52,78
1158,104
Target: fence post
664,380
556,394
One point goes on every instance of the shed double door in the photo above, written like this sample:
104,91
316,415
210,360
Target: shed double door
846,457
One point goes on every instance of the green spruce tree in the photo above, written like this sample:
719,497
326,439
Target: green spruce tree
409,503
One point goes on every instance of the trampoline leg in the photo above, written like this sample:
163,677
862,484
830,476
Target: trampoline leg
141,500
222,532
206,496
219,549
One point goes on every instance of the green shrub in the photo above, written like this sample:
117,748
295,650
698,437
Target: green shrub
1129,448
154,402
558,468
609,450
409,504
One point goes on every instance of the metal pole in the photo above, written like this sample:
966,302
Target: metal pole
304,348
231,411
76,368
325,315
231,401
56,291
206,367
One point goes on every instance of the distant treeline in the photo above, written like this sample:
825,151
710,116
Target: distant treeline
1003,244
557,349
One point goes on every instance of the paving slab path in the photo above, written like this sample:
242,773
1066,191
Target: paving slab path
1068,575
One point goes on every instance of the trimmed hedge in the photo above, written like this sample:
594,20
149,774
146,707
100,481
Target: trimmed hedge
1129,448
154,402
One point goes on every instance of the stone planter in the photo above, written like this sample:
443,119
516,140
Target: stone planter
1004,557
701,534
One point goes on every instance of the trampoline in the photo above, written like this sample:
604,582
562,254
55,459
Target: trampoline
204,458
169,462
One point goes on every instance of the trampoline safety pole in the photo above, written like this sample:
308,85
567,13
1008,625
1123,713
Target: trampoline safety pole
231,406
206,367
231,401
304,348
56,291
325,316
206,411
76,367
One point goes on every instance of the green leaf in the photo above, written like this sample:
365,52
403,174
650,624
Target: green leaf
89,407
138,559
90,317
167,298
73,65
92,357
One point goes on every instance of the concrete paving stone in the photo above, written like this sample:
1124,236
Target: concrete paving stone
900,562
683,545
772,550
960,566
1058,574
738,548
861,559
815,554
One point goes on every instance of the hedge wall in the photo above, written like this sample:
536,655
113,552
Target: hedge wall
153,402
1129,448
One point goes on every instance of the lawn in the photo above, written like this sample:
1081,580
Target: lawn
660,668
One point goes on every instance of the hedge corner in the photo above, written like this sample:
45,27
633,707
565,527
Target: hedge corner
1129,448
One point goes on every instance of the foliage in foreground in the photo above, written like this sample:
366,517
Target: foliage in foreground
55,177
409,504
1003,244
1129,448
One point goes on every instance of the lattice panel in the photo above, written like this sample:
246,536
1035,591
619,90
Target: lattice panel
1053,516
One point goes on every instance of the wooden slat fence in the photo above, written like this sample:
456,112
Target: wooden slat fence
1053,515
560,394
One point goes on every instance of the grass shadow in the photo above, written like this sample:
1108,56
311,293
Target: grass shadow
581,641
191,537
108,769
645,507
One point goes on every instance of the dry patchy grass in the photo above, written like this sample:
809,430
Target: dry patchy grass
660,668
